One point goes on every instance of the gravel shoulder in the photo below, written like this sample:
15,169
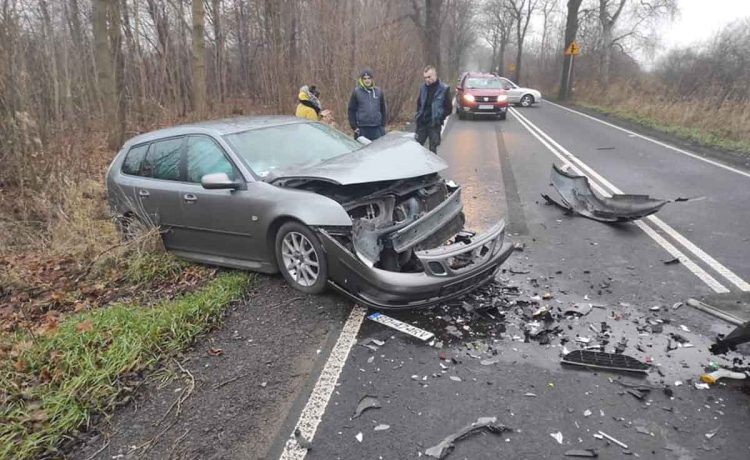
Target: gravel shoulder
230,393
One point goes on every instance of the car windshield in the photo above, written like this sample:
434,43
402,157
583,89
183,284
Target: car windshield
267,149
489,83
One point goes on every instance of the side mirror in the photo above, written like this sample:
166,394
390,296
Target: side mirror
219,181
507,87
459,88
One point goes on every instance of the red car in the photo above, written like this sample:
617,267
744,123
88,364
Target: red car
481,94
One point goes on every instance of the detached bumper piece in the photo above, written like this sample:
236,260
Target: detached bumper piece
577,197
450,271
601,360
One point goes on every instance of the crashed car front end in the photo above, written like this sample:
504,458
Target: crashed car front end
407,246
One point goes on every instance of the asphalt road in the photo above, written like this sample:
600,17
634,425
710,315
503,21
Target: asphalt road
480,366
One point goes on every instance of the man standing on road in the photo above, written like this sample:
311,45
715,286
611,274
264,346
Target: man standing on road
367,112
434,104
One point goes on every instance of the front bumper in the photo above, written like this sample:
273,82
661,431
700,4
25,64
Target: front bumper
488,108
441,281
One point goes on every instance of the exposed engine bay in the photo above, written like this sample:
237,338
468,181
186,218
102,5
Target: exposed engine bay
393,219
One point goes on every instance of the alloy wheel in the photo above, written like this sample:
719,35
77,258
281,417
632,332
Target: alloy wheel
300,259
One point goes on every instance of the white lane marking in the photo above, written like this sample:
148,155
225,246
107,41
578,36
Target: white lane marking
709,280
313,412
663,144
728,274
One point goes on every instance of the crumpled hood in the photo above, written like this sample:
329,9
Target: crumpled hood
392,157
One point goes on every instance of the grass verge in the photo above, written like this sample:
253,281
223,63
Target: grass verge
697,136
51,385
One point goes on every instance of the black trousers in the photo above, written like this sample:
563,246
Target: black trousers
429,132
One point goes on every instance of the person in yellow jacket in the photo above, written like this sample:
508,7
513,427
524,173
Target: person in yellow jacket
309,104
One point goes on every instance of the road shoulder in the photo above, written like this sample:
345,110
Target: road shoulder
230,393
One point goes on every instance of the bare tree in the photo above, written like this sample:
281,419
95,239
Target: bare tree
427,17
548,9
639,13
571,29
458,31
521,10
497,23
198,61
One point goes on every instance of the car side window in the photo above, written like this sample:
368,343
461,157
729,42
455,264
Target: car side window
133,160
204,156
163,160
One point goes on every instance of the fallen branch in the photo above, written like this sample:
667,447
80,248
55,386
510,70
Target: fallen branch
227,382
98,451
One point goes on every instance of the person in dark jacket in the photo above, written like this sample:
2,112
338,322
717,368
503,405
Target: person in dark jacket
434,104
367,110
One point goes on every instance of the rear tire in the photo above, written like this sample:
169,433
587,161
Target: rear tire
301,258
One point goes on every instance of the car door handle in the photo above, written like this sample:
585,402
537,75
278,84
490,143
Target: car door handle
144,193
190,198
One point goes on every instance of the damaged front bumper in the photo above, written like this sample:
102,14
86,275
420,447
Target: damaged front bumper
449,271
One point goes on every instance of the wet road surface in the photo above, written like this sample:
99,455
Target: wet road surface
496,363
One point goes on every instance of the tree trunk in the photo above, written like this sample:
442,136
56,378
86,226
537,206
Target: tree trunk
606,52
219,36
117,132
199,58
571,29
106,82
432,32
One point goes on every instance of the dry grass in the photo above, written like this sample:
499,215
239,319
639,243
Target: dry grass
702,120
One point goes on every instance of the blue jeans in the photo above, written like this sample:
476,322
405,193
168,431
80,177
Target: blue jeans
372,132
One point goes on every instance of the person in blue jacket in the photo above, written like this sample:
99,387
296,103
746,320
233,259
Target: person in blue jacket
367,109
434,104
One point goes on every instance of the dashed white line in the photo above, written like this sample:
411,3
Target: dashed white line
315,408
709,280
663,144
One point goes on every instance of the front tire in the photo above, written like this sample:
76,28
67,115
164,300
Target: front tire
527,100
461,116
502,115
301,258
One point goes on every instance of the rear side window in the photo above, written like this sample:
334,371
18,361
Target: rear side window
133,160
204,156
163,160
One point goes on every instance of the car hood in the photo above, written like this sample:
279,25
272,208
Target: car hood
392,157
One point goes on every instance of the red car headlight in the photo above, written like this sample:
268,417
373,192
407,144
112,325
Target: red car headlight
468,98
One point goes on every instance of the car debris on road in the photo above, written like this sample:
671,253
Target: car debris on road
578,197
365,403
401,326
445,447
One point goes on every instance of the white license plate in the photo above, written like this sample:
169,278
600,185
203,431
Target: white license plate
486,107
421,334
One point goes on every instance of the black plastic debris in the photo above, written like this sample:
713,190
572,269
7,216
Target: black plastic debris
578,197
676,260
587,453
301,440
637,394
738,336
445,447
602,360
367,402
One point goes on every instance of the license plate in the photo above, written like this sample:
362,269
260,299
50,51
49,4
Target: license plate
421,334
486,107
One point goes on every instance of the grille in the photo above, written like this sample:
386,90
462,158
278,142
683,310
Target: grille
485,98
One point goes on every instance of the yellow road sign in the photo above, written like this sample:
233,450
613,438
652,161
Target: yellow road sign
573,50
